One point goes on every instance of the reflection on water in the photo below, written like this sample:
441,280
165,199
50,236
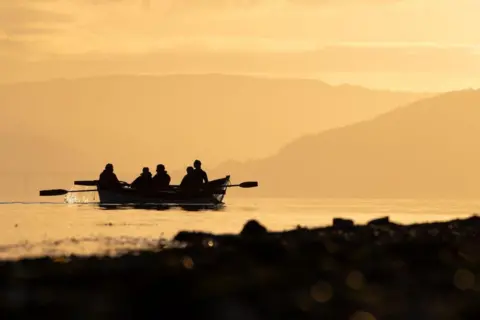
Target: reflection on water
58,228
82,246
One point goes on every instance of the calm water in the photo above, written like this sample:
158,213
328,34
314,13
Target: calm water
32,229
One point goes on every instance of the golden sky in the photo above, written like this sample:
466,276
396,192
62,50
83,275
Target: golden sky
393,43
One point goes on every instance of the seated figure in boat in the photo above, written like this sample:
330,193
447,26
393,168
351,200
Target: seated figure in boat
108,179
143,182
200,175
162,179
190,182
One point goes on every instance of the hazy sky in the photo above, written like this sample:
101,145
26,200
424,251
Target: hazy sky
424,44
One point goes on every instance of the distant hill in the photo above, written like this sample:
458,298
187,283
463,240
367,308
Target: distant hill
23,153
430,148
135,121
31,161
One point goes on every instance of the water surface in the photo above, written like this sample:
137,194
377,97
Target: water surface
49,228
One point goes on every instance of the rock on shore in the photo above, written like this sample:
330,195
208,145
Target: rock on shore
381,270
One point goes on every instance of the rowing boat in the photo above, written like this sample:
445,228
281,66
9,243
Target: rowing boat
211,195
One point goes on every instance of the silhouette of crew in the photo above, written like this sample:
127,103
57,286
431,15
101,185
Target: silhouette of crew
161,180
108,179
144,181
200,175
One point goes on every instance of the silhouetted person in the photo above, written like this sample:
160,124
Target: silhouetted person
200,175
190,183
161,180
144,181
108,179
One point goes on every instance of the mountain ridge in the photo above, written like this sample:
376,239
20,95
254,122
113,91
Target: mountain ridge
145,120
178,109
424,149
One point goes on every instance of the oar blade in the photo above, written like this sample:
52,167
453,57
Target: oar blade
87,183
53,192
248,184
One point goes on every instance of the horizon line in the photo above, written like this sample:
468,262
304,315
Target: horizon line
254,75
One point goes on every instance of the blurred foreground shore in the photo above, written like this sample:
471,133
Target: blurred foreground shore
381,270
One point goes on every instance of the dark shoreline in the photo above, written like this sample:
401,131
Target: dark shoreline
377,271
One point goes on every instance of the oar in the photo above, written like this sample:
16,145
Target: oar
87,183
246,184
61,192
90,183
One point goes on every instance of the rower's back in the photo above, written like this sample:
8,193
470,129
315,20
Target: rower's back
162,179
143,183
200,175
108,179
190,184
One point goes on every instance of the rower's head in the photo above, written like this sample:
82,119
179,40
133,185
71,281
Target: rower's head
160,168
197,164
145,170
189,170
109,167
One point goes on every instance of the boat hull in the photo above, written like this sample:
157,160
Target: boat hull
213,196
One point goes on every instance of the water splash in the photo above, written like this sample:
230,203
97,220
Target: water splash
79,197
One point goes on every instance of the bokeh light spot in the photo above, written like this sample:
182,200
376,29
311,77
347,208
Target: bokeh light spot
464,279
187,262
362,315
321,291
355,280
